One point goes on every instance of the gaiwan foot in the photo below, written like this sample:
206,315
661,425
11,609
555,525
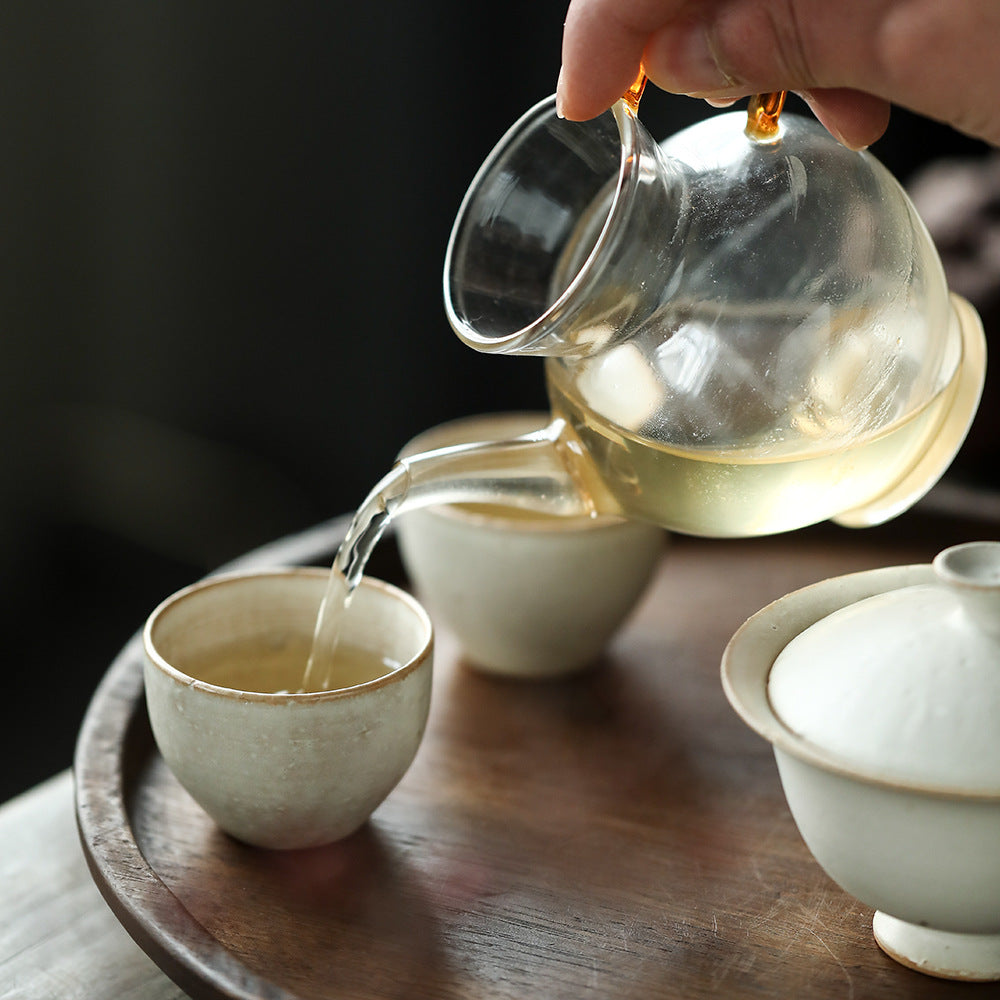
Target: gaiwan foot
973,958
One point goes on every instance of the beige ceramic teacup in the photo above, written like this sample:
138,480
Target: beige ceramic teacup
527,595
286,770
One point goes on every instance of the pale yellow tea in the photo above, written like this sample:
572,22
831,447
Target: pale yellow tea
275,664
740,491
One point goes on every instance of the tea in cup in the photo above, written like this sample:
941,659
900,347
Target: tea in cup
272,764
528,595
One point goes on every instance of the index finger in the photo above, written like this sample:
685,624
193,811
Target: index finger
603,41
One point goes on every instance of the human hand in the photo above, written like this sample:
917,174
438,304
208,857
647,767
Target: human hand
849,60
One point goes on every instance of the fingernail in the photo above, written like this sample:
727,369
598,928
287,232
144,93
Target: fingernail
817,109
841,138
838,135
559,95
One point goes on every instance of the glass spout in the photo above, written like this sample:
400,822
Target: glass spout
534,471
531,472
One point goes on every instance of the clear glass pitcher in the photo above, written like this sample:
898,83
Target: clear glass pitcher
744,333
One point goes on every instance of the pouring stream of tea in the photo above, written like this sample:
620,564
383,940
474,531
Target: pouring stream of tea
519,474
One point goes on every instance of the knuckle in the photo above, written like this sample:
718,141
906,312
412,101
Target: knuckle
762,43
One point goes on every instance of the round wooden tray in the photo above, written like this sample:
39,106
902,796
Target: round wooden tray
619,834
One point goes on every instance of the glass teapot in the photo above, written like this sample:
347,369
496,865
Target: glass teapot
746,327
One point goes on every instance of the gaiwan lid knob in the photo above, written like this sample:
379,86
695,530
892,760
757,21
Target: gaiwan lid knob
905,686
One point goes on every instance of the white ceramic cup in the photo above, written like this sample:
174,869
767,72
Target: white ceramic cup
287,770
527,595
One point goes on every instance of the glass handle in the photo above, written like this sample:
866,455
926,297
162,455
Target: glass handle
633,95
763,112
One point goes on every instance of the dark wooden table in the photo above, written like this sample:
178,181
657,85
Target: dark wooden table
619,835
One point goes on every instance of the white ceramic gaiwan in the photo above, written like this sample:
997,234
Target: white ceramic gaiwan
880,692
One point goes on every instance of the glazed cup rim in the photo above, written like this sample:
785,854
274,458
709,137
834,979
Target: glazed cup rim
194,590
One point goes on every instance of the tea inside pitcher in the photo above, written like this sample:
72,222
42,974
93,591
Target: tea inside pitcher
752,489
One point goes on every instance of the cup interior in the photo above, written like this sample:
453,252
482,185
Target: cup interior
382,620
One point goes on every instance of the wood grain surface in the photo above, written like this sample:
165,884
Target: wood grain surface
58,940
620,834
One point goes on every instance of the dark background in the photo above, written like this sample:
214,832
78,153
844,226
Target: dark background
221,237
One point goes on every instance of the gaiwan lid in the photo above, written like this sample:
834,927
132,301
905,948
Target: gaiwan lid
905,685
